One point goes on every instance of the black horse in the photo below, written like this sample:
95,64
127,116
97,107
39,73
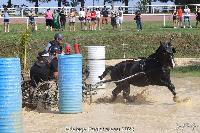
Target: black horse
153,70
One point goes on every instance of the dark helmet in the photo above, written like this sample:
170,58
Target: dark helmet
55,49
58,36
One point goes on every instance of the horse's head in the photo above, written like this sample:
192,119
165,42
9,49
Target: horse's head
165,54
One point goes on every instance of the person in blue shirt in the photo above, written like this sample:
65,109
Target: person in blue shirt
6,19
138,20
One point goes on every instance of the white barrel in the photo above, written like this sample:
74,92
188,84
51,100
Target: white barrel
96,52
96,63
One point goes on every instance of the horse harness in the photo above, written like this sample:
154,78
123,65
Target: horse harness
142,65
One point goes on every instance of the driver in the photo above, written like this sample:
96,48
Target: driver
40,71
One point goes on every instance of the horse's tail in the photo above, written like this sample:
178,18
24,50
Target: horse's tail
107,70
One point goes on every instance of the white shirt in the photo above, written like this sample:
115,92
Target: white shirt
121,14
6,15
81,13
98,14
187,12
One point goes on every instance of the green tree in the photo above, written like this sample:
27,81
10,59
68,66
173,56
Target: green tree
24,49
74,3
150,1
182,2
185,2
9,4
82,3
142,5
123,1
37,3
59,3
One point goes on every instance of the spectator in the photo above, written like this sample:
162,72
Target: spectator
138,20
180,16
174,17
88,19
98,18
113,17
120,17
62,19
197,17
187,16
104,13
82,18
6,19
49,19
56,20
72,19
31,21
93,19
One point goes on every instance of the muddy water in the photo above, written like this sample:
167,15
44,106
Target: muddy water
153,111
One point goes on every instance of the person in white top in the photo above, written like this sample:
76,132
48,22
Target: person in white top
6,19
187,16
98,18
82,15
113,16
119,19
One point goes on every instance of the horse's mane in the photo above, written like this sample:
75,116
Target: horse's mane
152,56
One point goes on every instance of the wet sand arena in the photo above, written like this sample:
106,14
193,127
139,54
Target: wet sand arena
152,112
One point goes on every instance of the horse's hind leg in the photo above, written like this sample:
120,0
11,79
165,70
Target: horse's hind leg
116,91
126,92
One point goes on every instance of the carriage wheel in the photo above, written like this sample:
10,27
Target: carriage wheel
26,93
87,92
46,95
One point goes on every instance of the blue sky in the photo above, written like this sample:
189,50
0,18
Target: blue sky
54,3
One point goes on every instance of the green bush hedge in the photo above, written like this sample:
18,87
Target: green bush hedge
140,44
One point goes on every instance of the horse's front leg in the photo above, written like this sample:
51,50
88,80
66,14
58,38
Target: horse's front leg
171,87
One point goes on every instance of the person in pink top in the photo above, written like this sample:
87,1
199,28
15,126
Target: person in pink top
49,19
180,16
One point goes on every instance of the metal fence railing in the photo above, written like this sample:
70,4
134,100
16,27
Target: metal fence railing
155,9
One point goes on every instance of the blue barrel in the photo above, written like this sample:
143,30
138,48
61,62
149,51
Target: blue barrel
10,96
70,83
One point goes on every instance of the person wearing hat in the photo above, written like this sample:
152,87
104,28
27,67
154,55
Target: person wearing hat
58,40
40,71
